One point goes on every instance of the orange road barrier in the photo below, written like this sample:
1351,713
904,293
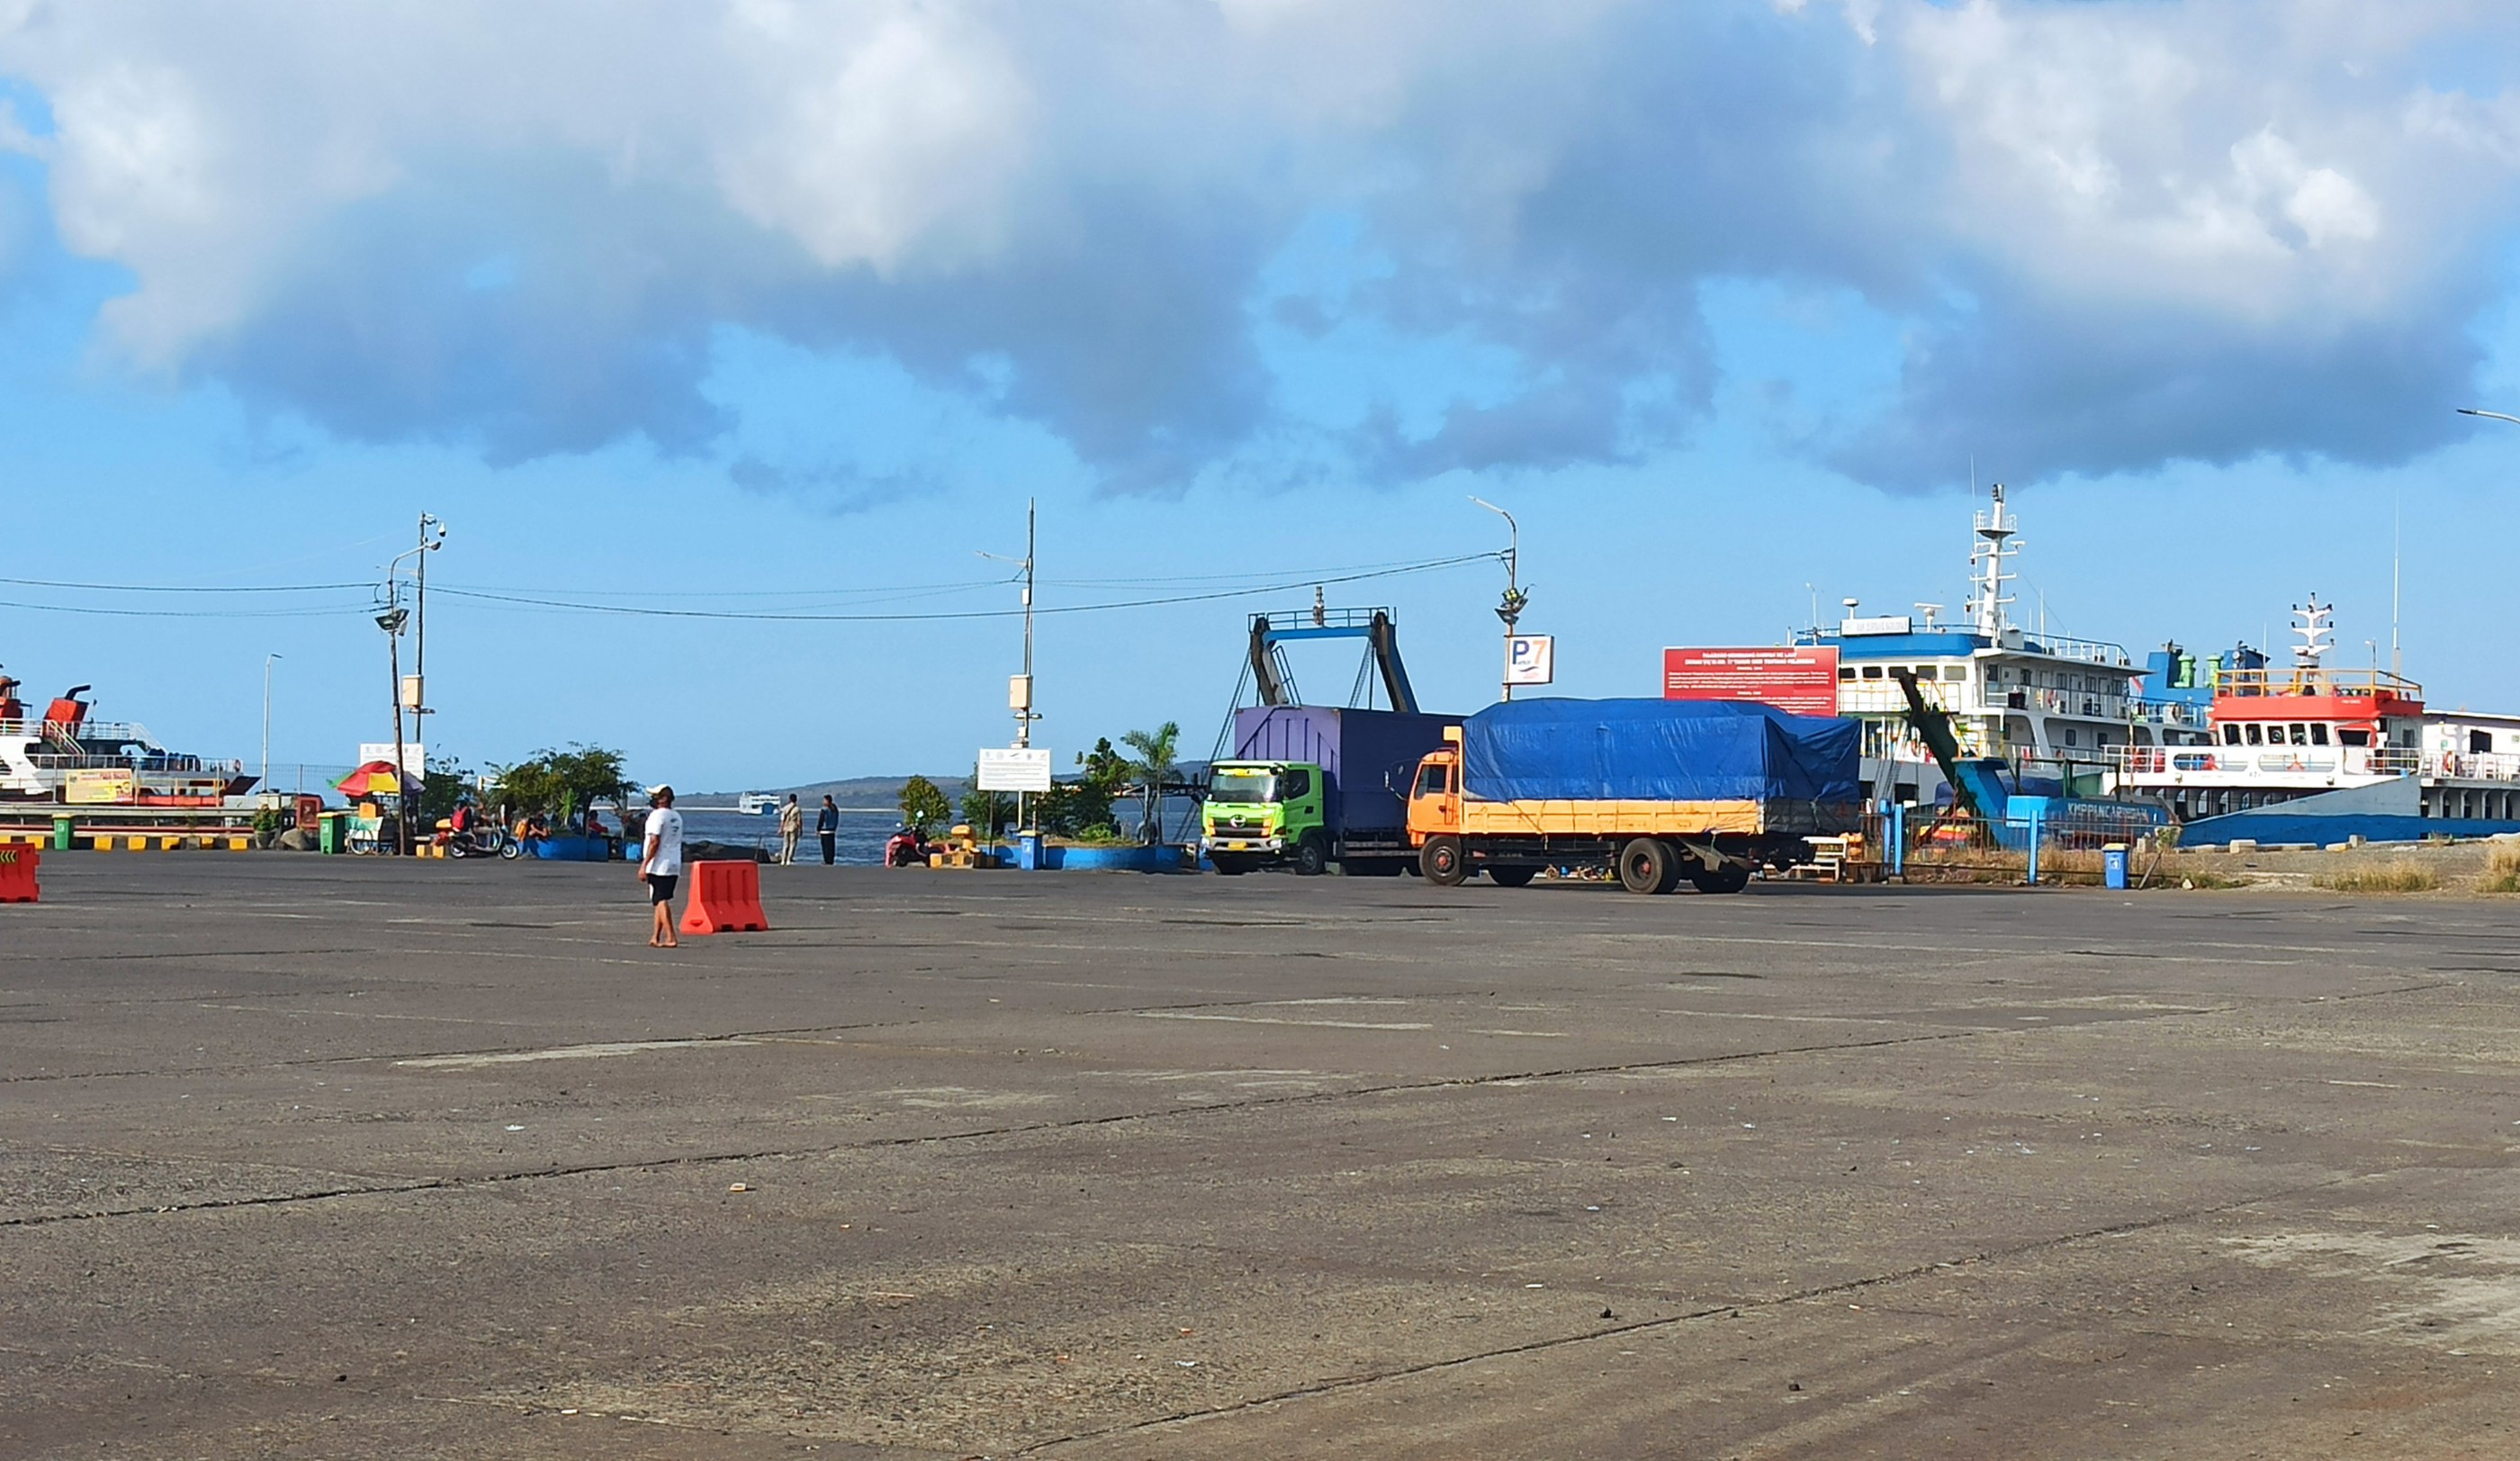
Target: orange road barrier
726,899
18,875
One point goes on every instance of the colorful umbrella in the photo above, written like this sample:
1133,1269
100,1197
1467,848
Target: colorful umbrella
375,779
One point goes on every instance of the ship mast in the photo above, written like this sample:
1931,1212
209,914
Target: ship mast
1990,566
2318,638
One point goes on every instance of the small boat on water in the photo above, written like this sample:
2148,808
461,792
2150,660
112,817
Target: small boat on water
65,757
758,804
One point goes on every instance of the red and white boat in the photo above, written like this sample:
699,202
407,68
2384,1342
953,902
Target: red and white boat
64,757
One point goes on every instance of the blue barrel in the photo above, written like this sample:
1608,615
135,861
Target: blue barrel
2113,865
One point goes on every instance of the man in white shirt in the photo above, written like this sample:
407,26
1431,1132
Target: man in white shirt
661,863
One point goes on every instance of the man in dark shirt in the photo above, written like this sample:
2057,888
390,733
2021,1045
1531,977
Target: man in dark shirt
827,826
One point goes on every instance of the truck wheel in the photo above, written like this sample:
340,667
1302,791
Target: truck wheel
1233,864
1442,862
1725,879
1511,876
1312,857
1646,865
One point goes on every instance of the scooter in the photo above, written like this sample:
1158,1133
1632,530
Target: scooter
906,849
482,840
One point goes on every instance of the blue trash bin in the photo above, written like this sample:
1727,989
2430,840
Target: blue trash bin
2113,865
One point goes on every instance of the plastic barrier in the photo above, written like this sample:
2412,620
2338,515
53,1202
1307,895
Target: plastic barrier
726,899
18,875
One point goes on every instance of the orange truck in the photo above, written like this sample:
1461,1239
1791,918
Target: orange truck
1659,791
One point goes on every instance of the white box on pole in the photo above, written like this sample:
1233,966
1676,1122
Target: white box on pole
1015,769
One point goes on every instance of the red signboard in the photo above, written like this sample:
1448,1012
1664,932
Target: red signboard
1799,681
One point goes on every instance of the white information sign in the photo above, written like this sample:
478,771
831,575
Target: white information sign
414,756
1015,769
1530,660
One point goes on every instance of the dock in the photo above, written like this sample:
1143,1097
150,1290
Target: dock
324,1157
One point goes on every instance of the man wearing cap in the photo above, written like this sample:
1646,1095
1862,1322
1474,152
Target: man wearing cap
661,863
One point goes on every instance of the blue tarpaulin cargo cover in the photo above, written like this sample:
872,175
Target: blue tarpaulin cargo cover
1657,750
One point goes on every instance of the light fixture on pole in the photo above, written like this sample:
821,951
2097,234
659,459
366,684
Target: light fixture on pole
2489,415
392,621
267,662
1510,607
418,693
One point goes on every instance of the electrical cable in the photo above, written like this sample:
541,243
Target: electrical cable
1306,581
172,588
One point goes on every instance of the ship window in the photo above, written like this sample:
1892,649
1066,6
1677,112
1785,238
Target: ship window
2300,734
2069,734
2352,738
2230,735
1872,671
1846,671
1956,671
2480,742
2318,733
2255,734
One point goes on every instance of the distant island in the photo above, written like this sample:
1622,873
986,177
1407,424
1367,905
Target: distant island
882,793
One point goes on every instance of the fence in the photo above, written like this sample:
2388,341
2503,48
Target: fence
2036,836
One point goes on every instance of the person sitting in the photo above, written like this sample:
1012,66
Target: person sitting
595,824
535,829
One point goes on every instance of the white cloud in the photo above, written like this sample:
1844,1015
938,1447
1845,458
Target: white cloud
2115,191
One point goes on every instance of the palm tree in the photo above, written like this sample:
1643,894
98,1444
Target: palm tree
1154,763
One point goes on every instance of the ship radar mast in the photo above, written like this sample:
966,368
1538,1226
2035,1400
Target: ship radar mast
1990,567
2317,636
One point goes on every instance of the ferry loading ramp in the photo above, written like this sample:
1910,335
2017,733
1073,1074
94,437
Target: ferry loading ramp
324,1157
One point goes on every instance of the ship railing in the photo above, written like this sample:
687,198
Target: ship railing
2479,765
2280,761
2089,651
2352,684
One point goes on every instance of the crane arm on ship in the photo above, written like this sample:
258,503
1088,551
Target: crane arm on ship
1976,789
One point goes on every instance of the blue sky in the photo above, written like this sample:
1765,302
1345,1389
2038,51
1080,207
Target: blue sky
778,308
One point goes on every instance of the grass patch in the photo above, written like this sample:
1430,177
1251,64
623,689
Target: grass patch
2501,871
2382,877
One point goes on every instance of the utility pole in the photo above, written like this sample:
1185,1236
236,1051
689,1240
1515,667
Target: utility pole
1020,692
1510,609
391,621
265,782
420,622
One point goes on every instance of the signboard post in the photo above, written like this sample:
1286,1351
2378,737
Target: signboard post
1530,658
1797,681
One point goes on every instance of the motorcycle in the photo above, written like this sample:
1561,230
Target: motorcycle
481,840
907,848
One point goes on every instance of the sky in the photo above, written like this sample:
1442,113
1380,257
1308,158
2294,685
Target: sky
787,310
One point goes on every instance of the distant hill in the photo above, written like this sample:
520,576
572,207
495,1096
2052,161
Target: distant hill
854,790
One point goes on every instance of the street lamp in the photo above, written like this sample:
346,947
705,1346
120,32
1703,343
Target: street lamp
2491,415
1510,607
266,719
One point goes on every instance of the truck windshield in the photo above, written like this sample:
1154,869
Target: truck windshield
1243,787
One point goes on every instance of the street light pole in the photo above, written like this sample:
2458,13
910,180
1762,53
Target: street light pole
266,719
420,622
1020,698
1510,609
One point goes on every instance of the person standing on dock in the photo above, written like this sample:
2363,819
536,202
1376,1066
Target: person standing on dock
827,826
661,863
792,825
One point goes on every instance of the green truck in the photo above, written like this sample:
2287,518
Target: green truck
1310,787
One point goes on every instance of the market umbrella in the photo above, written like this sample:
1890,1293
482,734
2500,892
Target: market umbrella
375,779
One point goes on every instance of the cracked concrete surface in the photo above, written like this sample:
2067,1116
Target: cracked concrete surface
313,1158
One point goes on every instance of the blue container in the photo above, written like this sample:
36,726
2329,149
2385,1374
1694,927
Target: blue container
2113,865
1030,854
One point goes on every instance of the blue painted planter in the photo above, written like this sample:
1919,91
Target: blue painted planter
573,850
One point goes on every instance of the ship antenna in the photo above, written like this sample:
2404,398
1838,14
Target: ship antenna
1989,565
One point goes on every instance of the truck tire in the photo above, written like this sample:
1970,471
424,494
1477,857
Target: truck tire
1234,864
1730,878
1648,865
1312,857
1511,876
1442,861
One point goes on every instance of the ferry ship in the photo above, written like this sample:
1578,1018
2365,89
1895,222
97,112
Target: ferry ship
64,757
2311,754
2062,711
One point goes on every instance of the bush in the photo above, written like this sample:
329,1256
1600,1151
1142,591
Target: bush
923,805
2502,869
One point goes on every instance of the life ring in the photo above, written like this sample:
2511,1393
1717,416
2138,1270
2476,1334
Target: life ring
2449,764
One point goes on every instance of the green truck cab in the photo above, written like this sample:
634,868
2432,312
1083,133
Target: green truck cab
1265,813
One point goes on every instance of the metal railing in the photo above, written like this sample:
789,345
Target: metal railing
2351,684
2277,760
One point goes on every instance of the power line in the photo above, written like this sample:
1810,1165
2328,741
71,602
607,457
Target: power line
309,612
177,588
1305,581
